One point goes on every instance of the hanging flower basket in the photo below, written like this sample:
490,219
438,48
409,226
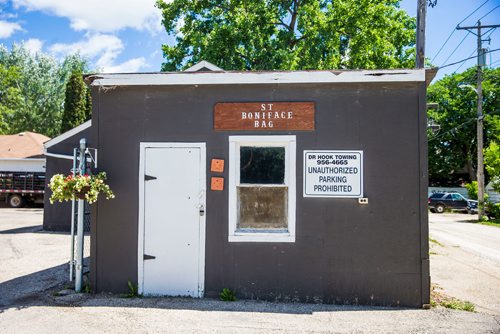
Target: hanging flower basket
87,187
81,194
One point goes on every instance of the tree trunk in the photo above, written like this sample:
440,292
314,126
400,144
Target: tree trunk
470,169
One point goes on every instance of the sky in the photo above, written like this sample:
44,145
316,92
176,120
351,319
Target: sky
126,35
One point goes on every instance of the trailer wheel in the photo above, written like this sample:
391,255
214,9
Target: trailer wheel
16,201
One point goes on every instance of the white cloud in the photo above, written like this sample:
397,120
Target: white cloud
33,45
106,46
132,65
8,28
101,15
103,50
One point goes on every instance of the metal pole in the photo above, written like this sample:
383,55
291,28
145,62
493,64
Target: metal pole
480,163
72,256
421,13
79,228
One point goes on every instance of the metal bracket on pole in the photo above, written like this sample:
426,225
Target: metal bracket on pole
79,228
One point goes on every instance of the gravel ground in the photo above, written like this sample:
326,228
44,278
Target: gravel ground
33,267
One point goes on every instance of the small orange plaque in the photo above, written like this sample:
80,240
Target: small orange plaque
217,183
217,165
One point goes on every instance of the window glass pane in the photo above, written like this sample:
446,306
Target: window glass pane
262,207
262,165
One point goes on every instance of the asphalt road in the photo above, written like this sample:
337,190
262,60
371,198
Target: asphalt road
458,229
33,266
466,262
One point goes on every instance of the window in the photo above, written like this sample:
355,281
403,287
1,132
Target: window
262,188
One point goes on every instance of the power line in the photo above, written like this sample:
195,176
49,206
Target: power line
453,31
452,129
484,3
451,54
460,125
442,46
491,31
458,62
474,51
470,56
489,13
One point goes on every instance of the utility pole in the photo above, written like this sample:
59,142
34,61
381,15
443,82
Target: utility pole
421,13
480,116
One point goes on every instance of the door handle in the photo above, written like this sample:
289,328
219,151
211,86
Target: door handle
202,210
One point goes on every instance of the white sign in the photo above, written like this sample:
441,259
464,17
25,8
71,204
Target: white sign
333,174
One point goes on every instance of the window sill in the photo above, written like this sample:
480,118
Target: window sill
261,237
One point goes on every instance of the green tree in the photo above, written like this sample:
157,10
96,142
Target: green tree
88,103
41,82
453,149
10,96
289,35
75,106
492,153
492,163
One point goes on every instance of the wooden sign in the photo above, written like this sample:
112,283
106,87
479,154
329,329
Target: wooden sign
266,116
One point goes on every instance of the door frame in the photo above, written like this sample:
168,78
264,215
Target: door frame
140,232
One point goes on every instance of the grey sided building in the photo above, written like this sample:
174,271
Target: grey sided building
303,186
59,160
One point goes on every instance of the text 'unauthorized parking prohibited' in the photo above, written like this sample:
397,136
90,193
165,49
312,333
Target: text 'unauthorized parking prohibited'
333,174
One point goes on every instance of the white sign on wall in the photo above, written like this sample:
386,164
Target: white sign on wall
333,174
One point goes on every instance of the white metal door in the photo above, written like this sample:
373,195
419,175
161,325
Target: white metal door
174,199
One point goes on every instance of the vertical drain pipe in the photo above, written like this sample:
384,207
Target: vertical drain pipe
79,228
72,256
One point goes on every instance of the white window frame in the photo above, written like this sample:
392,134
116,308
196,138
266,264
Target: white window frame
255,235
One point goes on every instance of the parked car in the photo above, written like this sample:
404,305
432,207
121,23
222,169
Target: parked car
472,207
439,202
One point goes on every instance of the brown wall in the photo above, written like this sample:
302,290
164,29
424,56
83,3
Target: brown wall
344,252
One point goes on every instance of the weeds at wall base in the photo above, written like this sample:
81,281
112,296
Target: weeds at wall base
440,299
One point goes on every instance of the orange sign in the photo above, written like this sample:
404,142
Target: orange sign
217,183
217,165
264,116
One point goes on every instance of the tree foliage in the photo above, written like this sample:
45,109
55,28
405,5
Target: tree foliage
38,82
77,99
492,163
492,154
288,34
453,149
10,96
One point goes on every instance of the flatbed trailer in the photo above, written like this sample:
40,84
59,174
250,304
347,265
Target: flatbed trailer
19,188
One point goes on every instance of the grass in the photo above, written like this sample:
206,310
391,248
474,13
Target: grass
133,291
440,299
434,241
495,222
227,295
456,304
